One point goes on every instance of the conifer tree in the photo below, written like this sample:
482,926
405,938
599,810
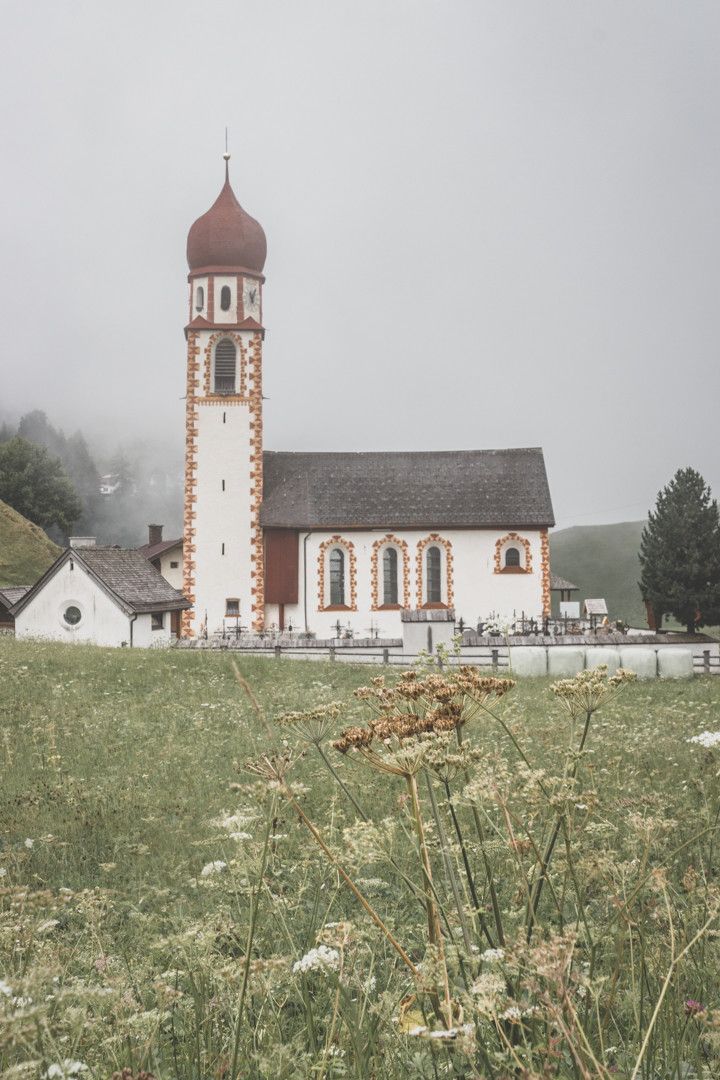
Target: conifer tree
680,553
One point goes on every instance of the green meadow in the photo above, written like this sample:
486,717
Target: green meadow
481,882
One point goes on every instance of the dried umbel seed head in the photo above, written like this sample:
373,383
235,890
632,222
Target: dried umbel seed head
314,725
587,691
353,738
271,767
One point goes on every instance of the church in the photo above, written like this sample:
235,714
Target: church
332,543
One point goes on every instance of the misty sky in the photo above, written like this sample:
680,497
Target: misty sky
489,223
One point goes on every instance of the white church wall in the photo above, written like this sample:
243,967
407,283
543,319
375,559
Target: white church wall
223,455
477,591
102,622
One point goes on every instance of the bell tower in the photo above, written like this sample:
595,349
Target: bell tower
223,545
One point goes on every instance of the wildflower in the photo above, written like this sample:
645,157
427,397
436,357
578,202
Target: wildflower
3,871
314,725
490,956
5,989
512,1013
693,1008
29,843
211,868
66,1070
587,691
321,959
708,739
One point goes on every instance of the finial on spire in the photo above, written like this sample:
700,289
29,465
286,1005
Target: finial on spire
226,156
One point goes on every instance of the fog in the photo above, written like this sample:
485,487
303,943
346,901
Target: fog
489,224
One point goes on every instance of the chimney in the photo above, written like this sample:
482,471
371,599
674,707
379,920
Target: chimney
155,534
82,541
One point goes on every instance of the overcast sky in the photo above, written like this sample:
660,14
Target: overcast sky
489,223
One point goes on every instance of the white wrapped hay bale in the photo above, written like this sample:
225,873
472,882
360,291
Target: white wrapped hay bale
564,661
675,662
597,655
529,661
640,659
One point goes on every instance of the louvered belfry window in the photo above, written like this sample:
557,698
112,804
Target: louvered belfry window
225,363
390,583
337,577
434,585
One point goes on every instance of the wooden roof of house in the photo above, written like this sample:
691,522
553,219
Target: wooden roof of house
126,576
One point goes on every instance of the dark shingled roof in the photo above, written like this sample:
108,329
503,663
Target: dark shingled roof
151,551
423,489
132,578
125,575
10,594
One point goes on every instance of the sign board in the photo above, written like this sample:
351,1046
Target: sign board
595,607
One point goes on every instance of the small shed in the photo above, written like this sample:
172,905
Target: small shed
102,596
595,611
562,586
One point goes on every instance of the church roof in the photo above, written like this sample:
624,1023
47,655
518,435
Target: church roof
418,489
226,236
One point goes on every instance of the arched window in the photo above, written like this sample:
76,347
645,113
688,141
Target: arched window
225,297
225,362
433,564
337,577
512,557
199,298
390,575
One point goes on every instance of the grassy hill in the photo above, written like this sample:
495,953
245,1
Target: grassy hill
602,560
25,550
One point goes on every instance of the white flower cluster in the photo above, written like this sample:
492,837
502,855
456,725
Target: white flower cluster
708,739
66,1070
211,868
490,956
321,959
424,1032
5,988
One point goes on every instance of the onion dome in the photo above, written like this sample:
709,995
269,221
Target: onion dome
226,235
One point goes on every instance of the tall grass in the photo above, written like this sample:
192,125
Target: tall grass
478,880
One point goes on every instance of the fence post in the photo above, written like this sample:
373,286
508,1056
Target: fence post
386,656
277,652
332,652
495,657
706,661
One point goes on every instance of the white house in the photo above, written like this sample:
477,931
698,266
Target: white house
165,555
103,595
310,540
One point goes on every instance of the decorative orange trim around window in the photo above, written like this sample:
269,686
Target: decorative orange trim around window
337,541
512,538
434,538
242,364
389,540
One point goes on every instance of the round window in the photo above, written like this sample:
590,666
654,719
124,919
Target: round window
72,615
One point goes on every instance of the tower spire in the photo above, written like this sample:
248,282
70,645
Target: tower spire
226,157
